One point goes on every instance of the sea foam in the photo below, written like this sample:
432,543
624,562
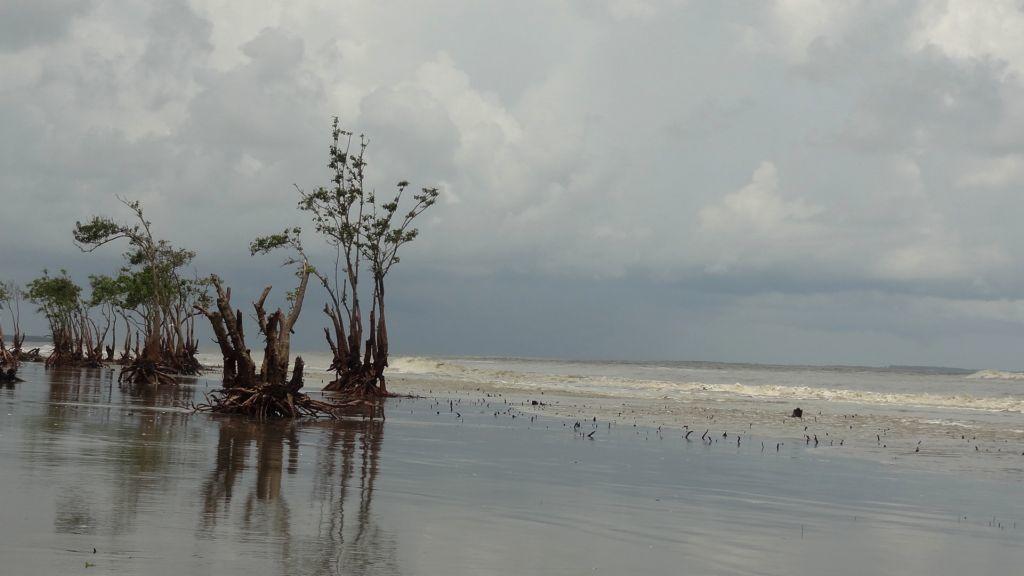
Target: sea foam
612,386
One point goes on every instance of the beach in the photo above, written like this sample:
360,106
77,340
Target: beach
629,287
465,481
942,419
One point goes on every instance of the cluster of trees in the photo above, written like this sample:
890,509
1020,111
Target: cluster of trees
147,311
366,234
142,318
156,301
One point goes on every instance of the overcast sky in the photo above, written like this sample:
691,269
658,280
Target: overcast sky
792,181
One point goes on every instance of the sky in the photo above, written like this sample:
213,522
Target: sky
796,181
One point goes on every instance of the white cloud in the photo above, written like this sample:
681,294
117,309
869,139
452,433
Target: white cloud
974,30
614,139
630,9
795,26
993,172
756,224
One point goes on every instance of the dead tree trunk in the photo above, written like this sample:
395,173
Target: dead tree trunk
239,368
9,362
270,393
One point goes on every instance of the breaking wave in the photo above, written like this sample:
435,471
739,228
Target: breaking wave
996,375
612,386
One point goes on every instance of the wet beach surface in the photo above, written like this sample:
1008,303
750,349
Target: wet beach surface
935,419
459,484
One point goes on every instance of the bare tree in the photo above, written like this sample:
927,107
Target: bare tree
269,392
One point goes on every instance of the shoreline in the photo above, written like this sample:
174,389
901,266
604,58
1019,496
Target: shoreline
981,443
843,428
943,439
478,485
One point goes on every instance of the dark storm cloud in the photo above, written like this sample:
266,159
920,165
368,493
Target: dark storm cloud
626,178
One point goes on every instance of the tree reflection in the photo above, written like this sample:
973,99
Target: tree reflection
89,427
342,535
348,462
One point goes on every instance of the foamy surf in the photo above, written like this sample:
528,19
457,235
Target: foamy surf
996,375
612,386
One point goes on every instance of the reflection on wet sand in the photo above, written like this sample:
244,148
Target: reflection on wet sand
119,458
348,461
155,489
89,418
342,534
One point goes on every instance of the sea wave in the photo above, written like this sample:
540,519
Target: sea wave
315,363
425,366
996,375
610,386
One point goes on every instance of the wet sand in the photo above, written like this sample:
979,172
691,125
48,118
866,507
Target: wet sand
475,486
980,444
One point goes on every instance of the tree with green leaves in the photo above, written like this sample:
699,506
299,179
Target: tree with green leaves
59,300
151,286
109,295
367,234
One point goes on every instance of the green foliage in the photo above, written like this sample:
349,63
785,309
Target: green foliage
350,218
383,235
266,244
100,230
150,282
105,290
192,291
56,296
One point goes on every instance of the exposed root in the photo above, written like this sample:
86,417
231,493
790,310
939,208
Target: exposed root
363,383
271,401
184,362
32,355
142,371
10,376
187,365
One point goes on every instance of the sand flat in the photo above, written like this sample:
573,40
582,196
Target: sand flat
443,488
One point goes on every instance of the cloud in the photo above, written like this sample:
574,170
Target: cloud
756,220
26,23
993,172
578,145
973,31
